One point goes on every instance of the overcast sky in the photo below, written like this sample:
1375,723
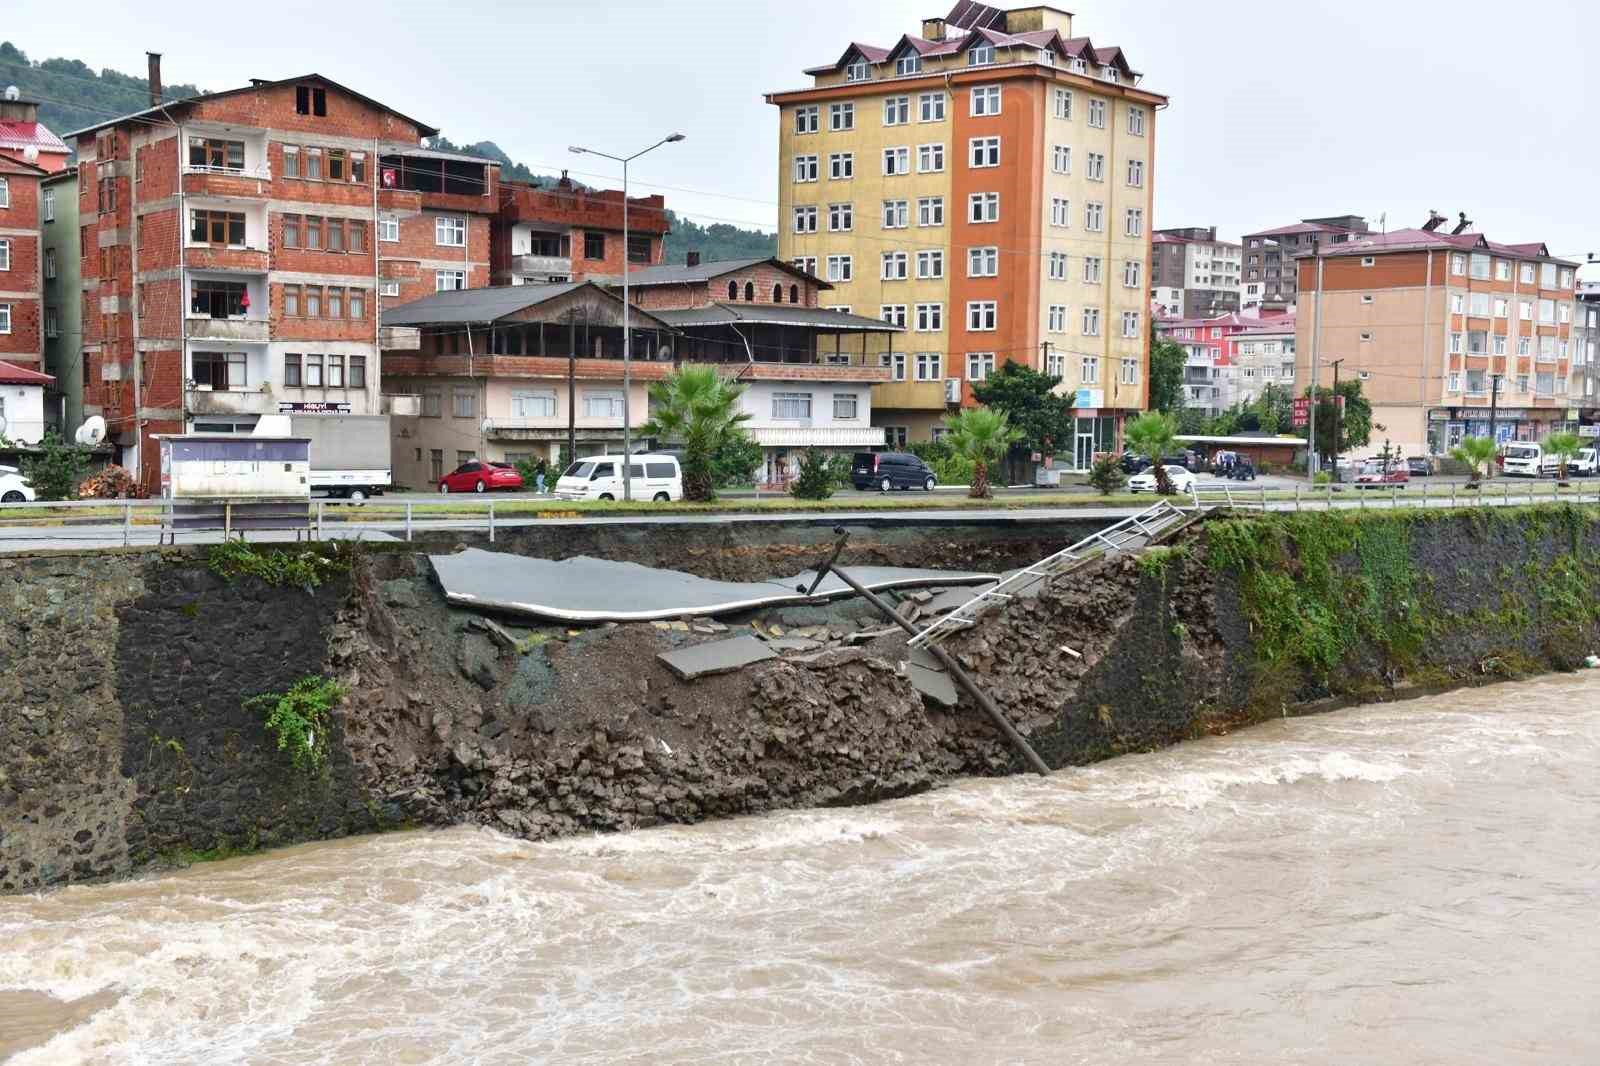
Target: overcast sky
1279,110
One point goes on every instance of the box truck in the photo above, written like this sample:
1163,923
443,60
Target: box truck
349,453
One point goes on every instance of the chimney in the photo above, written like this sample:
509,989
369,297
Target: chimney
692,259
155,78
933,29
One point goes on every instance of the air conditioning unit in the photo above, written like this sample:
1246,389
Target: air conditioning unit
952,390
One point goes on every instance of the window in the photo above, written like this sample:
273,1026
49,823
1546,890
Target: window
896,214
1061,159
858,70
841,166
335,302
981,56
386,287
450,231
1566,278
806,264
533,403
449,280
896,362
1097,114
1133,222
49,205
219,370
1089,370
1480,304
982,315
1526,309
211,154
908,64
805,119
310,100
930,158
1499,344
602,404
894,314
1094,167
1480,266
594,245
335,373
1056,266
805,168
5,199
52,322
358,167
356,232
983,262
5,255
1458,264
1455,383
291,161
1130,324
805,219
1057,321
1063,103
313,159
1547,275
1547,312
930,366
216,227
432,407
1131,271
979,365
1523,346
840,268
930,211
1060,211
388,228
1093,267
1456,341
983,207
1526,273
1136,173
1091,322
841,117
313,232
930,318
841,218
930,263
291,370
791,406
844,407
217,299
1094,217
1502,269
1136,121
335,234
464,402
1130,372
985,152
291,300
930,107
896,110
985,100
356,302
896,161
896,266
336,159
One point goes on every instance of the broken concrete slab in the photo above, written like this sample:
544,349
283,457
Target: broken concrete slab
935,685
716,657
788,644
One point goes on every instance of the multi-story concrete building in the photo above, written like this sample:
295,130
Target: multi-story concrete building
63,300
518,372
1268,279
1427,321
21,336
1193,275
1208,344
1585,386
546,236
235,248
987,183
1260,356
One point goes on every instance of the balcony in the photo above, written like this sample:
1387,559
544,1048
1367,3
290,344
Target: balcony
228,182
235,259
241,330
909,395
541,265
402,405
203,400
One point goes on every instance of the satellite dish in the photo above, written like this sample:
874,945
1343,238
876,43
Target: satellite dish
93,430
13,93
31,153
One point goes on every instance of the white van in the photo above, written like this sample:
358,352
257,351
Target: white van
1523,460
1582,464
599,477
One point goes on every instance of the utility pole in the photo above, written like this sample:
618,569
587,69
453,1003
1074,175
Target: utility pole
1338,415
1316,351
1494,410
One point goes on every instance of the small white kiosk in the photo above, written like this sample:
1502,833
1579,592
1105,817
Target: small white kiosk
234,483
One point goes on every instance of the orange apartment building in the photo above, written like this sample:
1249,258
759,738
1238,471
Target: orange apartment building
236,248
1427,320
987,185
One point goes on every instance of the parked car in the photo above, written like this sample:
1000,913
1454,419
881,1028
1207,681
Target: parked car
1181,479
13,488
478,476
1586,463
654,477
890,470
1132,462
1419,466
1373,475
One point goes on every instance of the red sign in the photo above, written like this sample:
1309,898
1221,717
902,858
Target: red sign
1302,411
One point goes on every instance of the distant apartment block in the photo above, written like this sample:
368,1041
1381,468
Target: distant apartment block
1194,275
1427,321
1585,385
986,184
1269,278
565,233
21,336
1208,344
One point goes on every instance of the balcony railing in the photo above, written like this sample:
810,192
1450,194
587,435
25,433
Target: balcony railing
246,330
247,400
541,264
405,405
262,172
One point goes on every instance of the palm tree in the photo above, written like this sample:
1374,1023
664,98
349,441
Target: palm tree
1477,453
1152,436
699,409
980,435
1563,446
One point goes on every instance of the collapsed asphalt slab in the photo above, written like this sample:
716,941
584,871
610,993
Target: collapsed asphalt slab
584,589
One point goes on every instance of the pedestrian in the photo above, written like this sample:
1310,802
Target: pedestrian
538,478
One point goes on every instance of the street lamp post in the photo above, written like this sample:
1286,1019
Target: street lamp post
627,323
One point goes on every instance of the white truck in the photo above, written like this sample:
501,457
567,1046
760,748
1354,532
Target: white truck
1526,459
350,457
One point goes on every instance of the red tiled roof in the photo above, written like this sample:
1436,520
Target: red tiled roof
25,135
11,374
1414,240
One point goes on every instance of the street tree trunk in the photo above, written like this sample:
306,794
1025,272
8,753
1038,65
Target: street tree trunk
979,489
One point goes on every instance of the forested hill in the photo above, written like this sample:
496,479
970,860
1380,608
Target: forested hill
73,95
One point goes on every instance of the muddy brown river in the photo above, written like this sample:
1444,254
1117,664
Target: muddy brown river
1411,883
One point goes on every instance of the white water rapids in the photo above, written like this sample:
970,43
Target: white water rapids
1410,883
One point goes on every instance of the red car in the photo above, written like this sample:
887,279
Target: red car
475,476
1373,475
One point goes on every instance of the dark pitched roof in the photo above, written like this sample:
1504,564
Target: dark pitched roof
681,274
464,307
728,314
423,128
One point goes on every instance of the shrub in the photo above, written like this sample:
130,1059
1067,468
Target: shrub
839,469
816,480
110,483
56,471
1106,475
952,469
735,461
299,719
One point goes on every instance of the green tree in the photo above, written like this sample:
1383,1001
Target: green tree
1563,445
58,468
1477,453
736,461
1275,408
1354,429
1106,475
980,435
1192,421
1152,436
816,479
1043,419
698,409
1166,374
